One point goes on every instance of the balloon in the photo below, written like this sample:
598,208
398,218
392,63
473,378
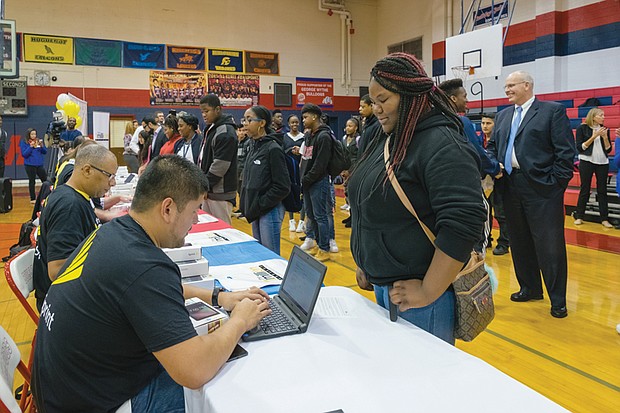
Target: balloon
62,99
64,115
78,121
58,105
71,108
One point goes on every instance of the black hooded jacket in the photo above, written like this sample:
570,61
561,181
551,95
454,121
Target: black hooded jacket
265,177
316,156
219,159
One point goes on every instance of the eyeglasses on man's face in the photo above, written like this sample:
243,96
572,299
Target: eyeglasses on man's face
511,85
110,176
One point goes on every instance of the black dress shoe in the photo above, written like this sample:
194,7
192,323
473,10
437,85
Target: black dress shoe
523,296
559,312
500,250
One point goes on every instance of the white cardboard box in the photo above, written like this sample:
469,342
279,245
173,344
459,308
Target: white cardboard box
205,318
194,267
187,253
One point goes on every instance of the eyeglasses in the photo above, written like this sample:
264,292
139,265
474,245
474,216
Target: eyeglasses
511,85
250,120
110,176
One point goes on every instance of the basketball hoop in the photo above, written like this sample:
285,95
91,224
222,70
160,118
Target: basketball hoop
463,72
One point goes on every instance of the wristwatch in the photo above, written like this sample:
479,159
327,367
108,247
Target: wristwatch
214,296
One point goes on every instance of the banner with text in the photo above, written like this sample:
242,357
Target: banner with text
48,49
221,60
317,91
187,58
177,88
93,52
235,90
488,14
262,63
144,56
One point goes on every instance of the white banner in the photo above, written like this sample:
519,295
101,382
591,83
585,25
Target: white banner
101,128
83,114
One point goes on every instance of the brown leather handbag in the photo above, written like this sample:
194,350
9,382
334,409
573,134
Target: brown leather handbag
472,286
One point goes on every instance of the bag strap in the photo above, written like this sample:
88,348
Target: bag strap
401,194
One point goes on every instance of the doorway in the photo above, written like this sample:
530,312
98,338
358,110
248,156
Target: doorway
117,133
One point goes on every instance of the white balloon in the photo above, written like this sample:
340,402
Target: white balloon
62,99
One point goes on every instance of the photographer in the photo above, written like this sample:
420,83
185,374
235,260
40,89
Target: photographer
33,151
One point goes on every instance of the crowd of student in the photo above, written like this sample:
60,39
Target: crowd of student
113,330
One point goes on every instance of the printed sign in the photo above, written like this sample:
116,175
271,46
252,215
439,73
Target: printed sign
317,91
188,58
262,63
48,49
177,88
92,52
487,14
235,90
144,56
230,61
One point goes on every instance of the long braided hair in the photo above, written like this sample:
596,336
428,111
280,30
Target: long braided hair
403,74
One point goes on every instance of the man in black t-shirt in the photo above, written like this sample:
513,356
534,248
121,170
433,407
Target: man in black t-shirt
114,325
69,215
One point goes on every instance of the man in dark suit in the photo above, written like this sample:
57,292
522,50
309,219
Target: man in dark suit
159,137
534,142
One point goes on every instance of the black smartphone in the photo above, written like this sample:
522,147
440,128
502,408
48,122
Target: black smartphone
237,353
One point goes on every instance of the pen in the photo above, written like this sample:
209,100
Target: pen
393,307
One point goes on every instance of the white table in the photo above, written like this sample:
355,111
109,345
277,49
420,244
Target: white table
361,363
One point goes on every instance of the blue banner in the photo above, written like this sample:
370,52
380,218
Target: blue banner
182,57
228,61
491,14
92,52
144,56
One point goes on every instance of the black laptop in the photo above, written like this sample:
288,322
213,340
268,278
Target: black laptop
293,306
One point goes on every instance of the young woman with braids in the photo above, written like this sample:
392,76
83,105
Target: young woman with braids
439,172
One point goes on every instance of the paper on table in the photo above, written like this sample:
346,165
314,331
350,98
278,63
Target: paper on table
332,307
205,218
218,237
241,276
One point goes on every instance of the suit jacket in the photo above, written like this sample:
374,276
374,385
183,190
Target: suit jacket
160,139
584,132
544,145
3,139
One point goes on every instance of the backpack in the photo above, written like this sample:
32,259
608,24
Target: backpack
23,243
339,161
292,202
590,102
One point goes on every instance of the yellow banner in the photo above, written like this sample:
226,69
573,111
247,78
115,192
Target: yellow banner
48,49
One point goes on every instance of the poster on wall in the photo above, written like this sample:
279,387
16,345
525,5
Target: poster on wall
48,49
93,52
262,63
101,128
6,46
230,61
144,56
176,88
235,90
186,58
317,91
488,14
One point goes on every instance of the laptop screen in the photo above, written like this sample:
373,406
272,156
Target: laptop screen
302,281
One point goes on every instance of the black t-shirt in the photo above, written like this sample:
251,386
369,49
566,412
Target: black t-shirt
68,218
118,300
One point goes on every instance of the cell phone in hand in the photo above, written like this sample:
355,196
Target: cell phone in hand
237,353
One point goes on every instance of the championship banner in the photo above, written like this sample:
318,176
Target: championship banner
188,58
144,56
262,63
177,88
235,90
317,91
6,47
48,49
230,61
92,52
487,14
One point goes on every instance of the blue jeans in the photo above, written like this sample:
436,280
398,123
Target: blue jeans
267,228
330,213
162,394
437,318
317,199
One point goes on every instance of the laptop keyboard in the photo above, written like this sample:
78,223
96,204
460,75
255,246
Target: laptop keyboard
276,322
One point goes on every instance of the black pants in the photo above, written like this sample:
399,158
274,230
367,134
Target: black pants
537,243
2,167
33,172
586,170
497,209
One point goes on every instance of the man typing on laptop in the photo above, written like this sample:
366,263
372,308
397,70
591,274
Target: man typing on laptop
113,325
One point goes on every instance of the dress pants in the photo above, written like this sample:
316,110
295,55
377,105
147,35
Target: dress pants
536,226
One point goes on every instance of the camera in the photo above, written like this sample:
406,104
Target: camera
56,127
172,112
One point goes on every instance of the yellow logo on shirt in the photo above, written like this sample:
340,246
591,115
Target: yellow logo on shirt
74,270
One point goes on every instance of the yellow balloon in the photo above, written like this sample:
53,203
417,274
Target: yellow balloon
58,106
78,121
71,108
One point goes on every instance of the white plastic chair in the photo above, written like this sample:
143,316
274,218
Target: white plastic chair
18,273
10,360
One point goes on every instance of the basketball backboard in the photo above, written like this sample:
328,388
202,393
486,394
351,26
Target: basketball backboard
480,49
8,57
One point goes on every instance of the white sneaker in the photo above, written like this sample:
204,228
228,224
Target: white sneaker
332,246
301,227
345,207
292,225
308,244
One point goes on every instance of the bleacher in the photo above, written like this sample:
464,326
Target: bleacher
609,99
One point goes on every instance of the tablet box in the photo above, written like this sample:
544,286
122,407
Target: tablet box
205,318
194,267
186,253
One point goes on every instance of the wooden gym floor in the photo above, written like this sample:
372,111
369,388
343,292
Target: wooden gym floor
573,361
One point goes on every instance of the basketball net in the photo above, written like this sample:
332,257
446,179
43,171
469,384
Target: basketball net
463,72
